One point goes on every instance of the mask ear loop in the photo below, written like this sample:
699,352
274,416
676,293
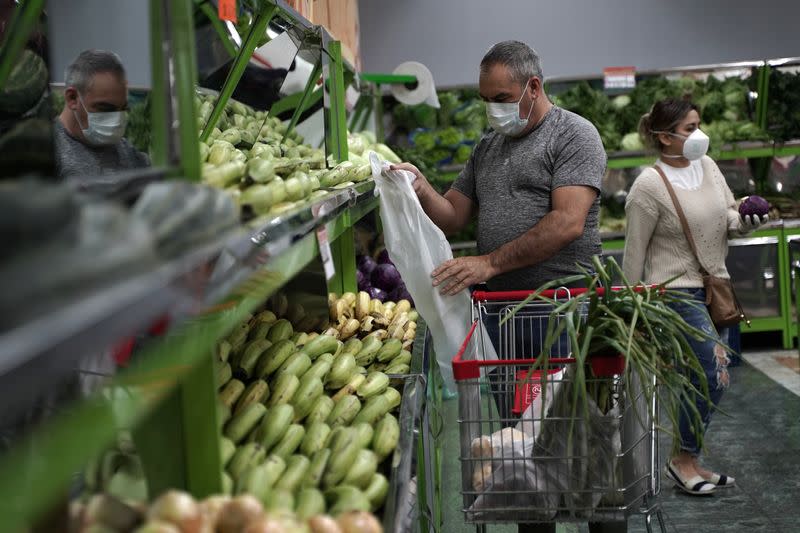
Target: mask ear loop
670,156
74,114
533,102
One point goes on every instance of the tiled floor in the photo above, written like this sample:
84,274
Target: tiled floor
758,443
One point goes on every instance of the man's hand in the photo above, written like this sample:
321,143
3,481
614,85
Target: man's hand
450,212
456,275
750,223
421,185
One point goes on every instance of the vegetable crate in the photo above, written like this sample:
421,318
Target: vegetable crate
557,443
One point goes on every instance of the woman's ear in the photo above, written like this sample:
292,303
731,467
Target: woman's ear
665,139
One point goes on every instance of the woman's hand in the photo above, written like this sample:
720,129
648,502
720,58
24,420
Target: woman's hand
748,223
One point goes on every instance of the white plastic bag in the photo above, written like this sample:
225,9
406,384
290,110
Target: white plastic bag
417,246
508,479
531,420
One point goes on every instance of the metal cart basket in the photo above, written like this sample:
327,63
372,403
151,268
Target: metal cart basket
529,451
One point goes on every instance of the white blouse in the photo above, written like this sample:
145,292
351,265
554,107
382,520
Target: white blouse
688,178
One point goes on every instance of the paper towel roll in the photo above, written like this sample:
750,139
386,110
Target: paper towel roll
424,92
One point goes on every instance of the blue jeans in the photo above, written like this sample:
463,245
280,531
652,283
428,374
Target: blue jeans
714,361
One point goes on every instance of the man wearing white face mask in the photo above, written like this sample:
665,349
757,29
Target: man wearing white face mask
89,131
532,183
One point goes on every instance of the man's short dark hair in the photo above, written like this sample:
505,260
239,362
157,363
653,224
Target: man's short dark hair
90,62
521,60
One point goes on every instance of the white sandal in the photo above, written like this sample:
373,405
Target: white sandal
696,486
721,481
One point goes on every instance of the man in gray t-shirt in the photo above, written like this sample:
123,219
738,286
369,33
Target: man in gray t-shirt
88,132
533,184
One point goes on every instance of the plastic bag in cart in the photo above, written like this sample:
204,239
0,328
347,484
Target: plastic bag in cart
537,401
511,484
580,448
571,464
417,246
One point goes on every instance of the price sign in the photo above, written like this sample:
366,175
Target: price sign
619,77
227,10
325,252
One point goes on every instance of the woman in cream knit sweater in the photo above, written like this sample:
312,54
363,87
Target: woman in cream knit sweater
656,251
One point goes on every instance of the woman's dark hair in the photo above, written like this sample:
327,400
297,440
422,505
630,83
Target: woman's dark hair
664,116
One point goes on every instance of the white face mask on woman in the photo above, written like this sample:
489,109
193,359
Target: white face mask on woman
695,145
504,117
103,129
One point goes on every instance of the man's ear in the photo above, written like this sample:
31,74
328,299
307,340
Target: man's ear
71,98
535,86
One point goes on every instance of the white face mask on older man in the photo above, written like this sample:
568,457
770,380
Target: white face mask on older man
103,128
504,117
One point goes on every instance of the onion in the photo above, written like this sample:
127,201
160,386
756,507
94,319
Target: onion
266,524
178,508
401,293
383,258
362,281
237,513
158,527
754,205
359,522
365,264
377,294
76,513
323,524
211,508
385,277
99,528
104,509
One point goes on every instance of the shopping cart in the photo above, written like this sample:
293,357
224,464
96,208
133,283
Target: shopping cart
584,464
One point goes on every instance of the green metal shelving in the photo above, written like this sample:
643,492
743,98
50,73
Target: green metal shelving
168,397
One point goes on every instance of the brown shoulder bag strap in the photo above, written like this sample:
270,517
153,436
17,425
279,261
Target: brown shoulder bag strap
682,217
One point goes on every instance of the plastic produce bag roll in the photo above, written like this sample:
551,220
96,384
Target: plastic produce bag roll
417,246
424,92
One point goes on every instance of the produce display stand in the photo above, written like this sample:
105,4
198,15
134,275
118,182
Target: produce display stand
794,260
168,396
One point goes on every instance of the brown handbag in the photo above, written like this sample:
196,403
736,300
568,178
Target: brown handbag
723,305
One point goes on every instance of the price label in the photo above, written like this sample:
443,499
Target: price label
619,78
325,252
227,10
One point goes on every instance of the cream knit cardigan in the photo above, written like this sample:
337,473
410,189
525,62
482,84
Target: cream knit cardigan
656,249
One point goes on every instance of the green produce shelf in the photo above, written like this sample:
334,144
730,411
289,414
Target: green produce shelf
744,150
167,396
381,79
253,267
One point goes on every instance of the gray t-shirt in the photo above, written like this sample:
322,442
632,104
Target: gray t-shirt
511,180
73,158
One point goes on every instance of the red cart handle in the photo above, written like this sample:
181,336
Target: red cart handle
552,294
471,369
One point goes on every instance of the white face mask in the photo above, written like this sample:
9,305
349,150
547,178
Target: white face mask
504,117
103,129
695,145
